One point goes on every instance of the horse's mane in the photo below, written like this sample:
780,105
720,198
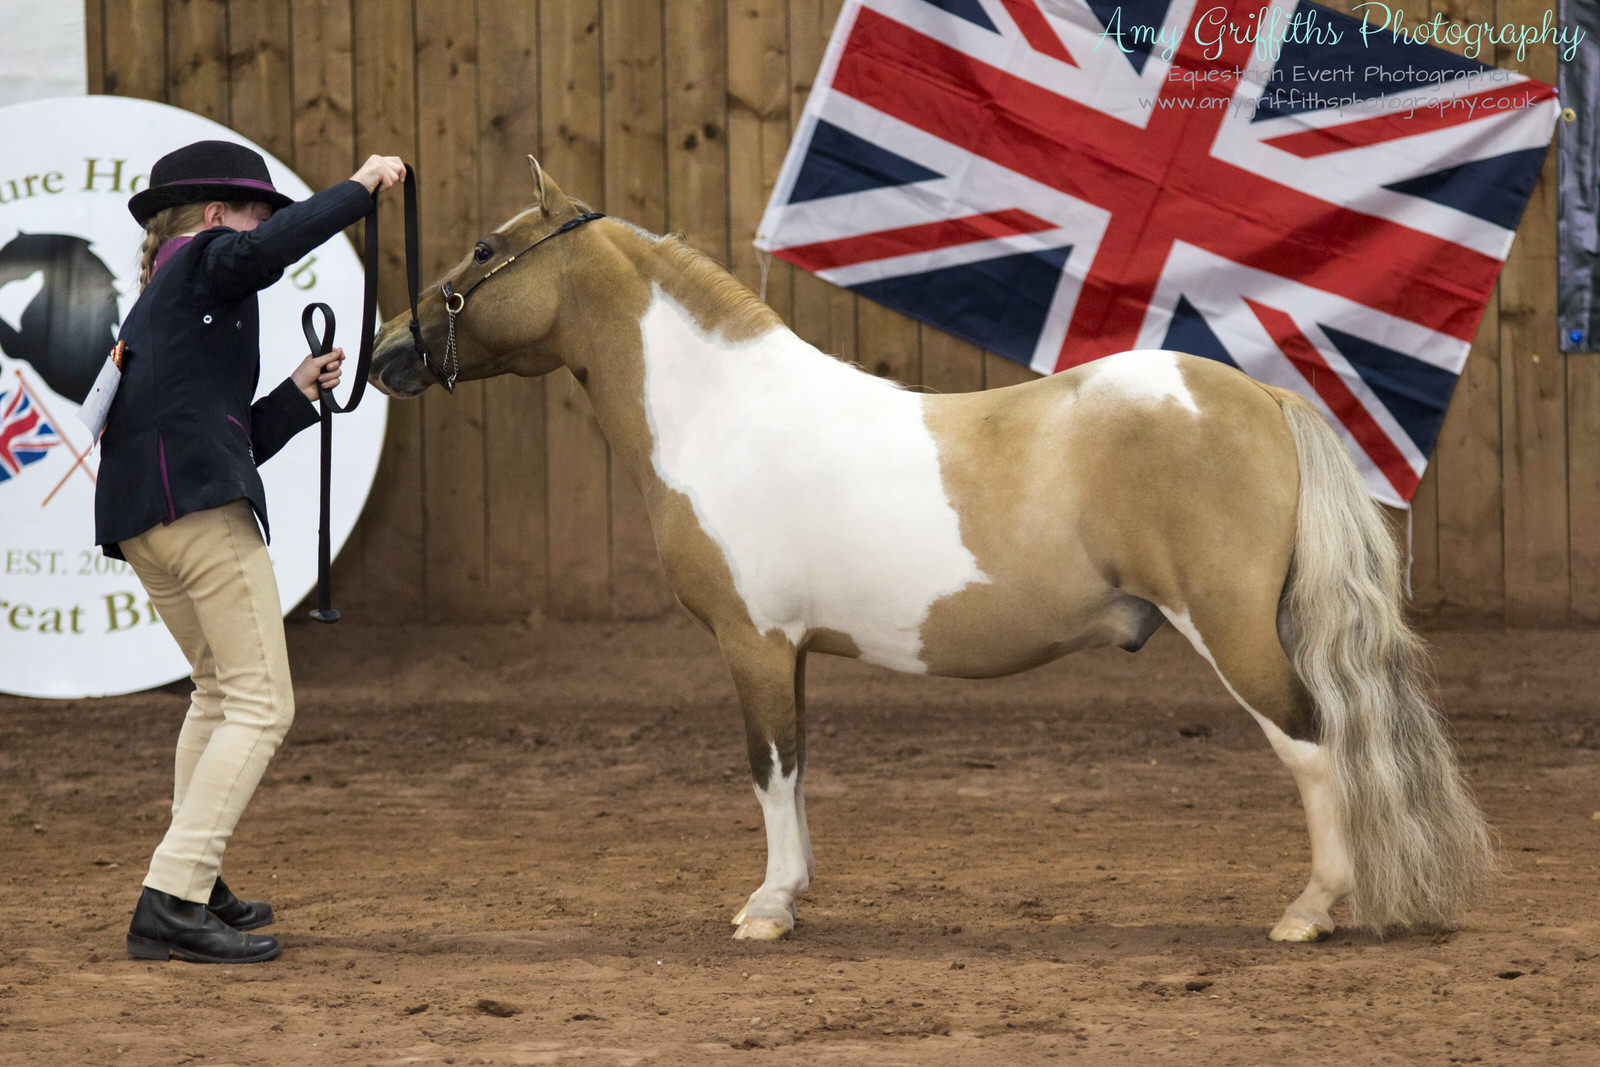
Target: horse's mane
742,307
743,310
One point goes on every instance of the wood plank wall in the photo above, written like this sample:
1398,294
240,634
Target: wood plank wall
502,502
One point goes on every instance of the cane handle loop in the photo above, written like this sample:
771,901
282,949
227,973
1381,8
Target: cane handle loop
319,345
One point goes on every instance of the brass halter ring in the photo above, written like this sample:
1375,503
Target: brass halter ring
454,304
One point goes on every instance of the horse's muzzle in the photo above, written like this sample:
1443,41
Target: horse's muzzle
396,370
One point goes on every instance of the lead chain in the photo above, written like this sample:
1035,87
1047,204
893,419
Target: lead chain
450,349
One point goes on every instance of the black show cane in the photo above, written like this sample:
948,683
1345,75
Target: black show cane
326,404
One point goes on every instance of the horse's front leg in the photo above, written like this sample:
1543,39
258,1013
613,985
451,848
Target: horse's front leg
769,674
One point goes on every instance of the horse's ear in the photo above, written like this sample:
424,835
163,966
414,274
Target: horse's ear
538,180
547,194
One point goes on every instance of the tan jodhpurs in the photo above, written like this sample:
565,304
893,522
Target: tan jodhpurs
211,580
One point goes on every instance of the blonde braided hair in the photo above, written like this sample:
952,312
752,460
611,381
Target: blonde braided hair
168,223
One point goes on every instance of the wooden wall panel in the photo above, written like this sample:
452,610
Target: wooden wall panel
571,66
758,136
1533,403
886,343
949,364
1466,462
454,476
389,541
94,43
197,57
323,83
1420,522
514,408
999,372
134,40
1583,482
635,185
1422,544
261,101
503,502
822,313
633,148
315,125
696,81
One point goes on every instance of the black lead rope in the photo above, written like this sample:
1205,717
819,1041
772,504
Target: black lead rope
322,344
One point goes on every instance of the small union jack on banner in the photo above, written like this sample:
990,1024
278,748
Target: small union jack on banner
26,436
1269,185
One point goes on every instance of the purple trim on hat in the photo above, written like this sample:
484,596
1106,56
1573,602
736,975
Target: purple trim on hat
248,183
168,250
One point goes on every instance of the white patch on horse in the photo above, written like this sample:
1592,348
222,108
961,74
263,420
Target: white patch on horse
783,809
820,483
1332,872
1142,376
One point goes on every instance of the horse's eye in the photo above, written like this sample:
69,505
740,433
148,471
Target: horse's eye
481,253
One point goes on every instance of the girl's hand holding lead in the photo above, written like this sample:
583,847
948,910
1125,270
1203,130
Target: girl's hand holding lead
380,172
317,370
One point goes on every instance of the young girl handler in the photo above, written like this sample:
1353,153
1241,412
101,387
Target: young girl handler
179,498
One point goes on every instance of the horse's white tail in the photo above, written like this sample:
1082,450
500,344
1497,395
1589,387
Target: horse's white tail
1420,850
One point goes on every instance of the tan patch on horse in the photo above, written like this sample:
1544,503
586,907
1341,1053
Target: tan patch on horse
1013,490
1075,506
832,643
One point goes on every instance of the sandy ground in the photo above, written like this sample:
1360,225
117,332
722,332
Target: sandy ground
524,846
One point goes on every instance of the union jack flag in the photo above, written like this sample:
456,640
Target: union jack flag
26,436
1259,183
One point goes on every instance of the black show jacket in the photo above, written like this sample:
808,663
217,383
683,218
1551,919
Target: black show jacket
182,434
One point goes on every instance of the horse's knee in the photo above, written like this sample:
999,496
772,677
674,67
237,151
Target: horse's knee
767,673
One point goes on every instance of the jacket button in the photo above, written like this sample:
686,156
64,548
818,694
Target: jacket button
206,320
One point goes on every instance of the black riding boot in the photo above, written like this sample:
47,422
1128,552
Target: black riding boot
165,926
239,914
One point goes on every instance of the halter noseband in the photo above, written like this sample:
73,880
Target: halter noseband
455,303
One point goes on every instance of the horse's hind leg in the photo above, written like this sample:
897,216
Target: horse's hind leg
769,673
1240,639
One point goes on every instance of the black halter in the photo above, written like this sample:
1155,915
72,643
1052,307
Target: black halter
455,303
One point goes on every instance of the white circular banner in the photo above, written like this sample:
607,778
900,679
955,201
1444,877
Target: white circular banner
72,622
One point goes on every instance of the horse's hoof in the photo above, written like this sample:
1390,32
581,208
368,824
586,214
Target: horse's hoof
1300,930
759,929
738,920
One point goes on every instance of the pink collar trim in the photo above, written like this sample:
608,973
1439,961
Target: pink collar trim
169,250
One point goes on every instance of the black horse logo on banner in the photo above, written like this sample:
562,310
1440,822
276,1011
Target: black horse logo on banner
66,330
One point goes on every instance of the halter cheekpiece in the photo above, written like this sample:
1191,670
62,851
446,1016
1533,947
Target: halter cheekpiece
455,303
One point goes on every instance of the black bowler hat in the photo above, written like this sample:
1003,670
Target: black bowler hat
202,172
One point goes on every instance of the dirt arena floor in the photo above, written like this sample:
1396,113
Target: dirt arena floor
524,847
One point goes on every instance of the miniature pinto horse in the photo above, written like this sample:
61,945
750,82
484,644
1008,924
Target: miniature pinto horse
801,505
